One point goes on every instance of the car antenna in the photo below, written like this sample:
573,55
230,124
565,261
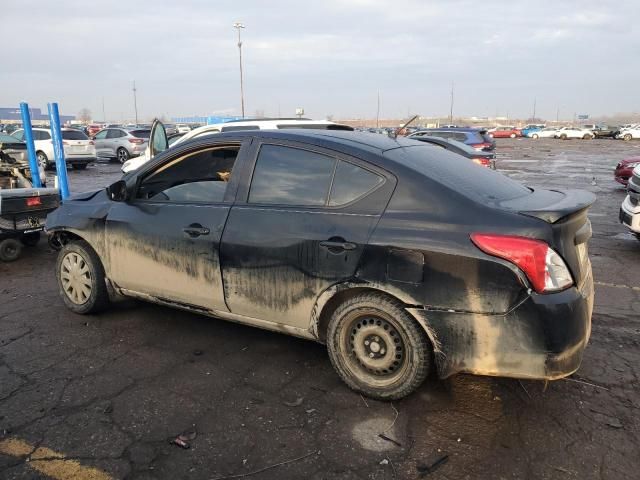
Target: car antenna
398,130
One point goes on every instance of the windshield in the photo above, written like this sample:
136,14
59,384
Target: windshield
8,139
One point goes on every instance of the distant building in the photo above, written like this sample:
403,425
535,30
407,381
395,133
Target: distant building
13,115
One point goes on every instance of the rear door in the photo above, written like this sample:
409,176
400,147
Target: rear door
299,228
101,143
165,241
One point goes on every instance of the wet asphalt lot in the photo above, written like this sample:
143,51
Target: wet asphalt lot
100,397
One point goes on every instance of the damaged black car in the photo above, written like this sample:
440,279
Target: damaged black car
401,257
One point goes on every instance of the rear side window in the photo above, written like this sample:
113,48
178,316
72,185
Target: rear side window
291,176
350,183
140,133
19,134
115,134
42,135
74,135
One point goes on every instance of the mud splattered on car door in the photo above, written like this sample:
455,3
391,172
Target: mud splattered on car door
165,241
304,225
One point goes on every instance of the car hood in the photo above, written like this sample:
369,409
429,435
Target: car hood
627,161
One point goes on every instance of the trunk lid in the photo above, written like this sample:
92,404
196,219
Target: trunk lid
566,212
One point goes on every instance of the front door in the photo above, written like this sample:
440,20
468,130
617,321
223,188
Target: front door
300,228
101,144
165,241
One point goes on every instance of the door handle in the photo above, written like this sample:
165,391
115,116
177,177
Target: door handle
337,245
195,230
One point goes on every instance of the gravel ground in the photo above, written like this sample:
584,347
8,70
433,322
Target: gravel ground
109,392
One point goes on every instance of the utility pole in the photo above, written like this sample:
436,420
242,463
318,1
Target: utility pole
239,26
533,118
378,112
135,101
104,115
451,107
558,114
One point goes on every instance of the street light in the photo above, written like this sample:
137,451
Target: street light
239,26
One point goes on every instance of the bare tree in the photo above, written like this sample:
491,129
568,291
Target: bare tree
84,115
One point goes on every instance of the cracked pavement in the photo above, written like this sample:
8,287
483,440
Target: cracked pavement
109,392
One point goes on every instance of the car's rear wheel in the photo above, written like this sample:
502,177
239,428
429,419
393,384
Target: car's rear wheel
627,137
81,279
586,136
513,135
563,137
377,348
535,136
43,161
10,249
122,154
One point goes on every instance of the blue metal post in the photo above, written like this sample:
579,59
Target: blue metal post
31,149
58,149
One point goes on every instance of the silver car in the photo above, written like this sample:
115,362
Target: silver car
121,143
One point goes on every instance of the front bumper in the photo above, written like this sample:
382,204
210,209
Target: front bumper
629,215
543,338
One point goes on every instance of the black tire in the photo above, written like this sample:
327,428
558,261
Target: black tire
122,154
79,166
10,249
43,160
513,135
535,136
30,239
563,137
627,137
73,272
587,137
381,321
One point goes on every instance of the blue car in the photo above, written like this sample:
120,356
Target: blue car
527,130
475,138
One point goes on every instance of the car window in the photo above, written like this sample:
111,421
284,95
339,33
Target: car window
42,135
19,134
199,177
73,135
291,176
112,133
351,182
7,138
140,133
101,135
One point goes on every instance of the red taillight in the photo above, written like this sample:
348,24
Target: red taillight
485,162
136,140
542,265
481,146
34,201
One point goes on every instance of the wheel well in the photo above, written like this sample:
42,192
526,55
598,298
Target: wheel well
336,300
60,238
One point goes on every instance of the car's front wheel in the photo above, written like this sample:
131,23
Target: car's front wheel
81,279
586,136
563,137
122,154
535,136
627,137
513,135
377,348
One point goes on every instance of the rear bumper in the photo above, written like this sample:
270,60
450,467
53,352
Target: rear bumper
629,215
80,159
542,338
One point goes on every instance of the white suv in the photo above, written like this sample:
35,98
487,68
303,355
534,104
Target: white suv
630,208
79,150
235,126
575,132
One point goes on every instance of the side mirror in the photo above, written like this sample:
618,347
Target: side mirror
118,191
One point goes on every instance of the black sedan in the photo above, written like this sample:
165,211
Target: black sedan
402,257
486,159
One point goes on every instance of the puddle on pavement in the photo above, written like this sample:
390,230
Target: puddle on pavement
366,434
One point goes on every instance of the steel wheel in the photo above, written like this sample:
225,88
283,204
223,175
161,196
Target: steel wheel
75,277
123,155
376,348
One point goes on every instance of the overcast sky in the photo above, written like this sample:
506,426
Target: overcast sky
330,57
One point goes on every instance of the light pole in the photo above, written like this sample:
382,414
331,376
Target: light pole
239,26
135,101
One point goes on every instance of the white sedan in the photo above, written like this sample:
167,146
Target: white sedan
629,133
566,133
549,132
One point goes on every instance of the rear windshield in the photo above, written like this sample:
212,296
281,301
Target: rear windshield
73,135
458,173
140,133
